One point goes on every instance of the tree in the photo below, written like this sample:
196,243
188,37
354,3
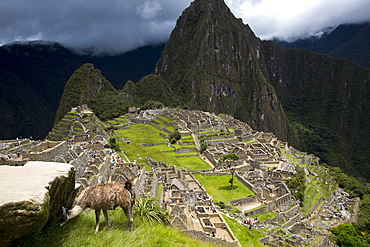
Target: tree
230,157
297,185
203,146
174,137
113,144
346,235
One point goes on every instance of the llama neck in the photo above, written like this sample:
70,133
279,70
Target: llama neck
76,210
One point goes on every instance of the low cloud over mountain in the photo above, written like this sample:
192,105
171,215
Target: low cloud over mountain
115,26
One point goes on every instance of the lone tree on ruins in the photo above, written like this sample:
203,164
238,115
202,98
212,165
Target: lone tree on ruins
229,158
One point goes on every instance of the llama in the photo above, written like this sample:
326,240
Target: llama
104,197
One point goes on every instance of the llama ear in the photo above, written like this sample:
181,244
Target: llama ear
64,211
64,216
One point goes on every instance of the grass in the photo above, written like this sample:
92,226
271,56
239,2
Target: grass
141,133
80,232
219,188
265,216
161,120
147,134
246,238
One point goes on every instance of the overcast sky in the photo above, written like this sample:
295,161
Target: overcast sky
122,25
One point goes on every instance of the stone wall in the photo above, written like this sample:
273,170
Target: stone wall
202,236
81,163
245,182
214,142
260,210
160,128
245,200
210,138
152,144
292,221
284,201
140,182
42,152
185,150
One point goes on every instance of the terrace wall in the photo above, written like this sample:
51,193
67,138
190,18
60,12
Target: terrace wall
43,153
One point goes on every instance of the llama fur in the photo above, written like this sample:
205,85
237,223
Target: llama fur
105,197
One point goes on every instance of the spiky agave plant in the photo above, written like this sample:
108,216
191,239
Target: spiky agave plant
149,210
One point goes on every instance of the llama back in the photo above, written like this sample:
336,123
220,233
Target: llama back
104,196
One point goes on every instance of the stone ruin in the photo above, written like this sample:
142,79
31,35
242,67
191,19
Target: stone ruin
191,208
261,168
64,168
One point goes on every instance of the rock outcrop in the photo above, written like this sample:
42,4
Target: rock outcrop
31,197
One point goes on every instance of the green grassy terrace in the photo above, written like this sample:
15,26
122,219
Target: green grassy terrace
246,238
219,188
146,134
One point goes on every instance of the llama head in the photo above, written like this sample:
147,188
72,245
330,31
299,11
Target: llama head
64,217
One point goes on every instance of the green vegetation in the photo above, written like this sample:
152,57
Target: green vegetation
146,134
113,144
213,185
86,82
230,157
108,105
149,210
355,187
174,137
346,235
265,216
80,232
246,238
297,185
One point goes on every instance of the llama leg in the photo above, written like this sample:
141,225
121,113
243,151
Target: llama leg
97,217
105,212
128,212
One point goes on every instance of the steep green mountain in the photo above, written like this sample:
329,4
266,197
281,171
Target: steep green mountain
211,64
347,41
214,62
88,86
33,76
151,87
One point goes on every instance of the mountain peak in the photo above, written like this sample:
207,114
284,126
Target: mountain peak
211,61
85,83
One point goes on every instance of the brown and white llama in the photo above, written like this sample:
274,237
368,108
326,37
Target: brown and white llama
104,197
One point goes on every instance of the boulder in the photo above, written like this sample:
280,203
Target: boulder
31,197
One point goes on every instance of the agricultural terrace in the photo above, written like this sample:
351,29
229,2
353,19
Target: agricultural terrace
246,238
220,189
139,134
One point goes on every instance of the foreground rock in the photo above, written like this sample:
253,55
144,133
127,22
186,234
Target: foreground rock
31,197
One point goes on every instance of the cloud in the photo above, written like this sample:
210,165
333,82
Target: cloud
109,26
114,26
291,19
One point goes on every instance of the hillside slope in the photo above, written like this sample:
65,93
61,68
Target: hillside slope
33,76
348,41
214,62
212,65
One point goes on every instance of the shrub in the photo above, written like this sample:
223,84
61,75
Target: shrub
149,210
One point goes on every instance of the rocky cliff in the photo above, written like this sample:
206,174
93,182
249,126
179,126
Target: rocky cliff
31,198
